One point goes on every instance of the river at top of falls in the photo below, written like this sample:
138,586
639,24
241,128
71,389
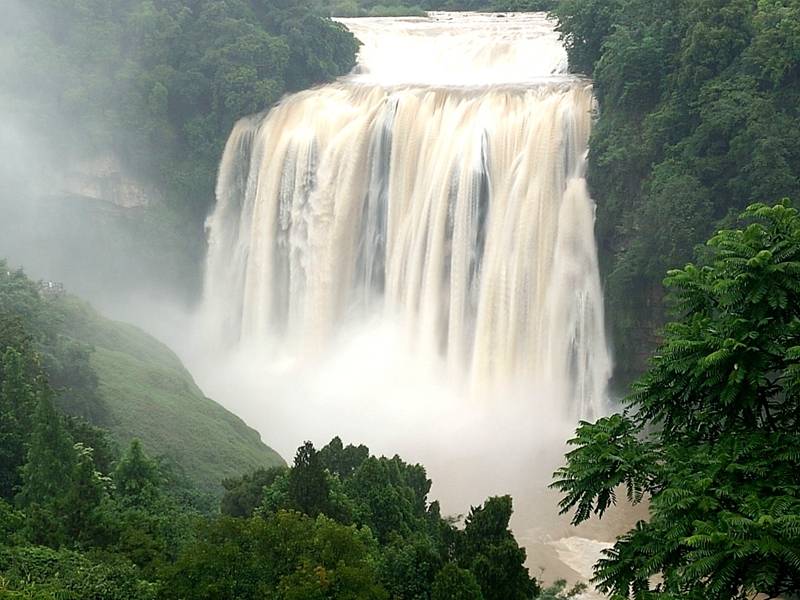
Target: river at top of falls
458,49
439,186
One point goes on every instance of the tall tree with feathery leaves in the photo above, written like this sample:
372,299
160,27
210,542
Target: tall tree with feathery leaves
711,433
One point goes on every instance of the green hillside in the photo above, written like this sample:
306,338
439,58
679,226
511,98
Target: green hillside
119,377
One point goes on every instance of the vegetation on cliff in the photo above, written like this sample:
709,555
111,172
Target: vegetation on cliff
698,118
160,84
154,87
115,376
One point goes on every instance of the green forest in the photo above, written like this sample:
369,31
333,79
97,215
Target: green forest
115,376
158,86
120,479
161,83
698,118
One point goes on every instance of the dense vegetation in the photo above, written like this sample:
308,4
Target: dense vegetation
698,118
79,521
154,86
161,83
116,376
711,433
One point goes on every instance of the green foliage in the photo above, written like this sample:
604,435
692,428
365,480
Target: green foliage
11,522
454,583
81,504
246,493
161,83
711,433
285,555
20,388
308,488
609,454
342,460
389,498
136,478
142,93
493,555
62,491
138,389
140,541
51,457
698,118
138,538
409,566
105,451
45,574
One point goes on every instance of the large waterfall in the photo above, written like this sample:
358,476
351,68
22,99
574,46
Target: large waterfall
441,185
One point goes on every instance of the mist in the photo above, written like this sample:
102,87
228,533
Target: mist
374,386
342,294
74,209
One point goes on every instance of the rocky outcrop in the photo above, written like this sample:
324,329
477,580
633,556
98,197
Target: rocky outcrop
104,178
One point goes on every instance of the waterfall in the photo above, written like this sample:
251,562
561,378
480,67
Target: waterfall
442,183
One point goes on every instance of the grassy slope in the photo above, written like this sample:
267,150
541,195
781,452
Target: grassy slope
150,395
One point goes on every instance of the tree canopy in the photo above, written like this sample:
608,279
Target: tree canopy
698,118
710,435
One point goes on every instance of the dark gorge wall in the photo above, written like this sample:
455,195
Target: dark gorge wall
698,118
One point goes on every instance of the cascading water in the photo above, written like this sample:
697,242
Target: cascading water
441,184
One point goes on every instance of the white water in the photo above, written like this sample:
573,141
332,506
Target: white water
459,212
406,258
458,49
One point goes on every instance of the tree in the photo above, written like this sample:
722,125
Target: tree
409,566
80,507
490,551
105,451
710,434
18,393
342,460
697,119
47,474
51,458
390,496
308,486
454,583
246,493
43,573
137,477
285,555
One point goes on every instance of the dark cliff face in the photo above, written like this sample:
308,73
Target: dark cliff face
105,178
633,342
693,127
